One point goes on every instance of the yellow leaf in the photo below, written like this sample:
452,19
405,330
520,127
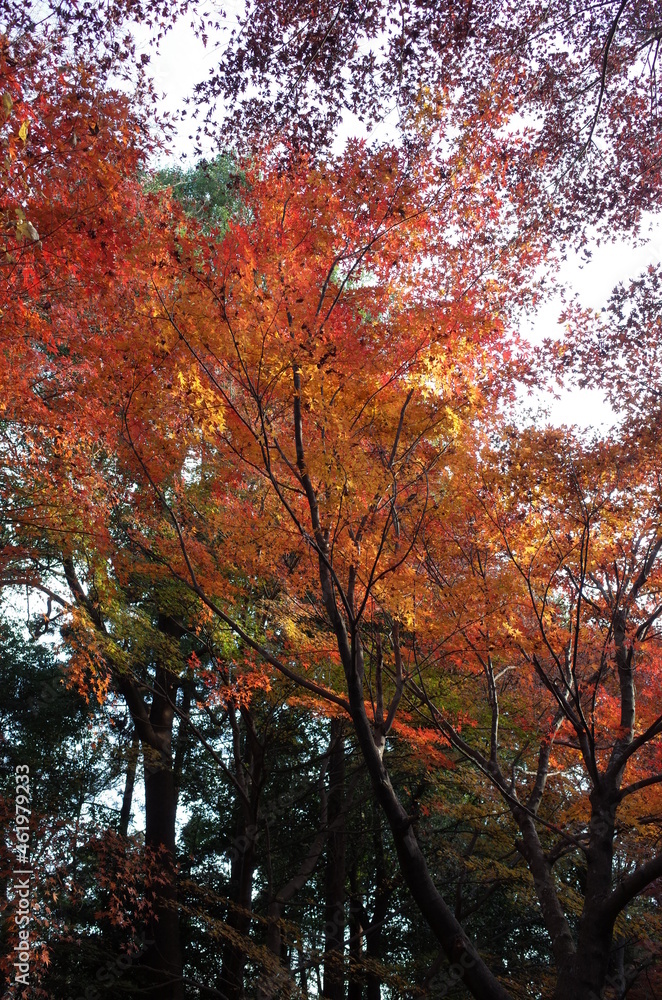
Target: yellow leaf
25,230
23,131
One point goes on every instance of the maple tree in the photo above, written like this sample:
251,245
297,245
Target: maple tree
374,537
577,84
323,294
257,451
70,144
313,325
560,556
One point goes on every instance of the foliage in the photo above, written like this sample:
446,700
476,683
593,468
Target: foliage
257,459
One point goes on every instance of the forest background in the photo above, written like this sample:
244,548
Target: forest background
337,675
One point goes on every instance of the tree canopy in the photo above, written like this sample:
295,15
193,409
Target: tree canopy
387,653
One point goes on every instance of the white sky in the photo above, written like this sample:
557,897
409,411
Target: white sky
593,282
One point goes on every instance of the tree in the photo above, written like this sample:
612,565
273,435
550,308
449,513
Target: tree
321,308
560,557
71,145
84,911
566,92
268,425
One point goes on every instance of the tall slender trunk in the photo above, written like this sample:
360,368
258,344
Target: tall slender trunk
303,973
249,773
238,919
383,893
129,783
356,912
279,898
334,909
163,957
478,978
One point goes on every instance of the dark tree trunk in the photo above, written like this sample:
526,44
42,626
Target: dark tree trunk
127,798
478,978
249,772
383,893
239,910
274,937
334,910
586,976
278,899
356,916
163,957
270,983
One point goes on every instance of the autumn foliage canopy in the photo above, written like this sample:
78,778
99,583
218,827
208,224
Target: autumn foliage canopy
270,472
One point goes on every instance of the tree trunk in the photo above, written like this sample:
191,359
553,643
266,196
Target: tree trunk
356,912
334,910
383,893
586,977
238,919
249,772
477,977
127,798
278,899
164,957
